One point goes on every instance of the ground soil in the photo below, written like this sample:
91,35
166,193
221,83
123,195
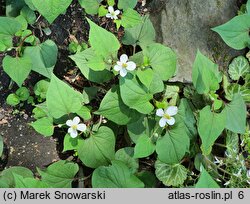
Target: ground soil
24,146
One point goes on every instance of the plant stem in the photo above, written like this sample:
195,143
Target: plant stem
11,84
21,44
134,49
223,170
220,145
38,18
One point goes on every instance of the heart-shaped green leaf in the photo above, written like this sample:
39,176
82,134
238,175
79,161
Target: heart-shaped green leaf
205,76
43,56
13,100
115,176
21,182
239,68
98,149
62,99
173,145
143,126
59,174
51,9
157,84
145,76
23,93
142,34
186,114
134,95
82,61
8,27
17,68
125,4
210,126
126,156
115,110
44,126
136,129
162,59
236,114
70,143
90,6
206,181
170,175
7,176
130,18
144,147
235,32
244,91
41,88
103,42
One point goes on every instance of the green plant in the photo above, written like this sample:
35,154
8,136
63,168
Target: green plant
22,94
235,32
186,135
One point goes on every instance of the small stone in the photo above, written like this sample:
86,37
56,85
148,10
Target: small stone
1,116
3,121
25,116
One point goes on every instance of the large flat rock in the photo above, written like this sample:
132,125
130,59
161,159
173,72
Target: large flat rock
185,26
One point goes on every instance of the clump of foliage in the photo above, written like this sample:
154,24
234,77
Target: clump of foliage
182,135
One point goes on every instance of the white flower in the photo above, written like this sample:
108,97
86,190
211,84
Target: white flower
123,65
217,161
242,143
74,126
227,183
166,115
248,174
112,13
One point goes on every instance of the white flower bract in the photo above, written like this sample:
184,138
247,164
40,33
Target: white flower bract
113,14
123,66
218,161
248,174
75,126
167,115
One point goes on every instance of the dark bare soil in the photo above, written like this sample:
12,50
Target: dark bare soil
23,145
